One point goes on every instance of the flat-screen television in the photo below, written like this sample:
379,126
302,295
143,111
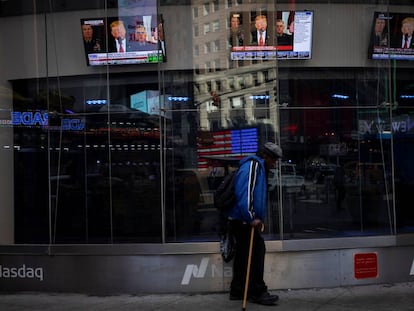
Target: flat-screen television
271,35
124,40
392,36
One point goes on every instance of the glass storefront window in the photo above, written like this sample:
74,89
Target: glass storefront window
96,151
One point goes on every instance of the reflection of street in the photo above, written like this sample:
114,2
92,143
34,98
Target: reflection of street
83,209
312,212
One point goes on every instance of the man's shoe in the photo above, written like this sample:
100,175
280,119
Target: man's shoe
265,299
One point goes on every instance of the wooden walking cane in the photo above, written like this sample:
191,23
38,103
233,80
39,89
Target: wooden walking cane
249,260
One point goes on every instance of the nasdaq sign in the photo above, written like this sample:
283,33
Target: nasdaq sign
30,118
73,124
38,118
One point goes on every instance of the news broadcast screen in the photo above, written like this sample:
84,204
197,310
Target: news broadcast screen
271,35
392,36
123,40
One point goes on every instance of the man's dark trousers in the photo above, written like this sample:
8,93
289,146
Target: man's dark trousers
257,285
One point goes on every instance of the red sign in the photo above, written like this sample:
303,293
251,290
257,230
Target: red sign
365,265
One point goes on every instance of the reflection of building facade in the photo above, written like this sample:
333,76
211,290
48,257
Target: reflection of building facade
246,97
246,90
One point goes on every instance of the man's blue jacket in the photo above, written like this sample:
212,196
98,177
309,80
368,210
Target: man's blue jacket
251,191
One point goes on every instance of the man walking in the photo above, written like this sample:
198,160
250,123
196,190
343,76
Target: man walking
250,211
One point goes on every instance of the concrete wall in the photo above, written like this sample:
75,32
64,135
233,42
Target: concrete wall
127,270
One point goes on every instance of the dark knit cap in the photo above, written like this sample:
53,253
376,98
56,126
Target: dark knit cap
273,150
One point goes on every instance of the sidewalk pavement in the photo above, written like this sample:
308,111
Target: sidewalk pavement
378,297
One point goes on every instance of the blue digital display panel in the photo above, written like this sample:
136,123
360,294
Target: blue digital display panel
244,141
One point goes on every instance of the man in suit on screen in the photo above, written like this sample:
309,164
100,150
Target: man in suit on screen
405,39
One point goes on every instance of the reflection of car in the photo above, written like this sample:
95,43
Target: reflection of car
319,171
369,172
197,178
290,179
327,169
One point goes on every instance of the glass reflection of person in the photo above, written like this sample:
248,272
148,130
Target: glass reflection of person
405,39
118,32
141,42
291,23
339,183
282,38
260,36
92,44
248,215
380,32
291,27
187,194
141,34
236,32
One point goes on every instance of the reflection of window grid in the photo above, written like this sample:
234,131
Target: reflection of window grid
261,100
207,48
209,89
261,105
214,124
216,25
206,28
196,88
241,81
230,3
218,85
195,12
206,8
237,102
266,75
255,78
217,64
195,31
215,5
231,83
216,45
